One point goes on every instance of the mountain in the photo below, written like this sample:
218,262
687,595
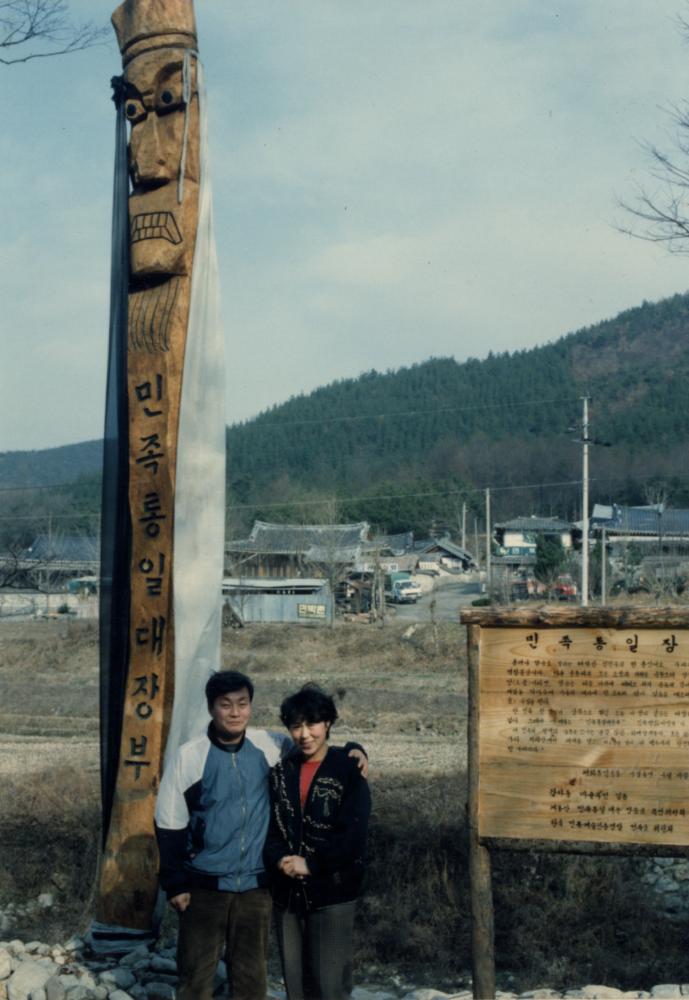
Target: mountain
403,448
503,422
50,466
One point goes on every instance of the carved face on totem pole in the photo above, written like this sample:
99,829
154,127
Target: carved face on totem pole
160,97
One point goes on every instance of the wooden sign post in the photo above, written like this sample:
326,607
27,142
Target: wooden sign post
578,740
164,470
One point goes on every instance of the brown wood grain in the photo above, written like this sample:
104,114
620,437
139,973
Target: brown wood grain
559,615
481,888
587,741
163,240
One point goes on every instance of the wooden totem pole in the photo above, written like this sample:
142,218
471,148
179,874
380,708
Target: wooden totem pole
163,500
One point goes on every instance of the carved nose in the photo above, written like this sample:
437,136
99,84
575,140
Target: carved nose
150,161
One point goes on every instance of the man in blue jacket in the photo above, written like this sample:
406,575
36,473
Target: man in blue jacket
211,822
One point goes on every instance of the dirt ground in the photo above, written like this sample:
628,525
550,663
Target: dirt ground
401,690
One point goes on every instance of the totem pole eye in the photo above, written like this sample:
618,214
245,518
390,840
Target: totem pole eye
167,97
134,110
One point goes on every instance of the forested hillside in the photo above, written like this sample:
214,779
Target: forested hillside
405,448
506,421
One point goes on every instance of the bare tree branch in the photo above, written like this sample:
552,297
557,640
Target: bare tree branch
25,24
662,215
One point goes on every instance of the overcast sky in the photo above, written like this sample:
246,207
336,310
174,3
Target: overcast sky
393,179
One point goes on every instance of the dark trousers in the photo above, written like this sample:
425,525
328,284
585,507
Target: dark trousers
239,923
316,952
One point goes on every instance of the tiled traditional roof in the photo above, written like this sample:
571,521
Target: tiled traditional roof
313,541
533,523
397,544
64,548
447,546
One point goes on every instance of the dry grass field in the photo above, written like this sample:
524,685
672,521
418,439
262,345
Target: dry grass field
401,691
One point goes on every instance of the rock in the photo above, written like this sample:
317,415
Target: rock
667,989
119,995
100,993
46,963
160,991
362,993
5,964
38,995
56,987
120,978
167,977
86,979
161,964
79,993
543,993
74,944
426,994
45,900
139,954
29,976
600,992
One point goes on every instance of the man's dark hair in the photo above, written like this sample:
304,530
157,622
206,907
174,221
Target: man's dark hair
225,682
309,704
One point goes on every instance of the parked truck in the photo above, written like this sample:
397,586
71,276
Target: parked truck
401,589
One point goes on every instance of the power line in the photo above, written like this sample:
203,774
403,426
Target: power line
373,499
343,419
24,489
410,413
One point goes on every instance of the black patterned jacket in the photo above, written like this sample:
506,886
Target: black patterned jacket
330,835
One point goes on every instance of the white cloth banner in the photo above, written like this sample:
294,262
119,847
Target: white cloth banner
199,526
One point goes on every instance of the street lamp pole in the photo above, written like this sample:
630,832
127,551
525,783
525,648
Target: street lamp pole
489,581
585,505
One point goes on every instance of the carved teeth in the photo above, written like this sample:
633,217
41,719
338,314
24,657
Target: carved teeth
155,226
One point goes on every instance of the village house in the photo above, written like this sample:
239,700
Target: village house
297,550
441,553
516,539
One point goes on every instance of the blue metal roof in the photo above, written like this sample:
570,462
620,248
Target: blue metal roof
652,520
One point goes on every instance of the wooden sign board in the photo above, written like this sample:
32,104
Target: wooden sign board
584,734
578,740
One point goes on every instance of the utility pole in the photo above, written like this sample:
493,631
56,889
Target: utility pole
585,505
464,525
603,569
488,534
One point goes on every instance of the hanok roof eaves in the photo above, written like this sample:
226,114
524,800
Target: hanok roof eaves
445,543
268,538
398,543
534,524
66,548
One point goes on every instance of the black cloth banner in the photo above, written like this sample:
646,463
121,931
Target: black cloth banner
115,521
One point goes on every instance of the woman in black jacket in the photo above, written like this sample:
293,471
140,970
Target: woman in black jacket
316,850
